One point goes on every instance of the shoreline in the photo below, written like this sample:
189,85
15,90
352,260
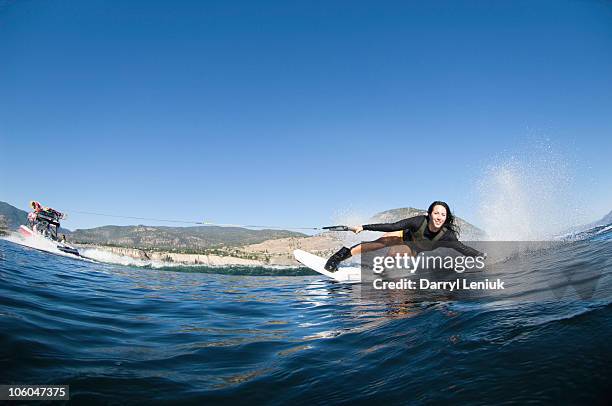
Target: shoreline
271,253
184,259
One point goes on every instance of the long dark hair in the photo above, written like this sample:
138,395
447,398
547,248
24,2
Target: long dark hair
450,222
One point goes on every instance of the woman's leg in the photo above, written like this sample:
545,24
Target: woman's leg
387,240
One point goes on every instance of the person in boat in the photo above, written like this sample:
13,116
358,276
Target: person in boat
32,216
38,208
47,214
412,235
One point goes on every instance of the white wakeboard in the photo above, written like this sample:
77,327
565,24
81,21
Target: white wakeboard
344,274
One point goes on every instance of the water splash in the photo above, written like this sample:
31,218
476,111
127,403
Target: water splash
528,196
38,243
111,258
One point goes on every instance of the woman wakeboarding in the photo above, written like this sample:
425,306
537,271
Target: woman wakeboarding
437,226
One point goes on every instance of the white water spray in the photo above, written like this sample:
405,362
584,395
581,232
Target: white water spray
36,242
528,197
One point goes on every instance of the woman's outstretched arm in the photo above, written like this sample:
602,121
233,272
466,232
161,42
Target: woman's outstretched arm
411,223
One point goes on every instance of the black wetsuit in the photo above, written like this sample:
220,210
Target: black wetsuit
411,225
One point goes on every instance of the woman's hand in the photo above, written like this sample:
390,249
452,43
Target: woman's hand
356,229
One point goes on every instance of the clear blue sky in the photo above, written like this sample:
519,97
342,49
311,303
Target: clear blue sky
285,113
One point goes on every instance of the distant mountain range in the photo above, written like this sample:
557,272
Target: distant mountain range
183,239
13,216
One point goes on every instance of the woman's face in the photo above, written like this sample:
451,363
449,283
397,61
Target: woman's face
438,216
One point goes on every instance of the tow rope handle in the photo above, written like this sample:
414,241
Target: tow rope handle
336,228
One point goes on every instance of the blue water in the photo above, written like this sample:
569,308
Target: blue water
130,335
